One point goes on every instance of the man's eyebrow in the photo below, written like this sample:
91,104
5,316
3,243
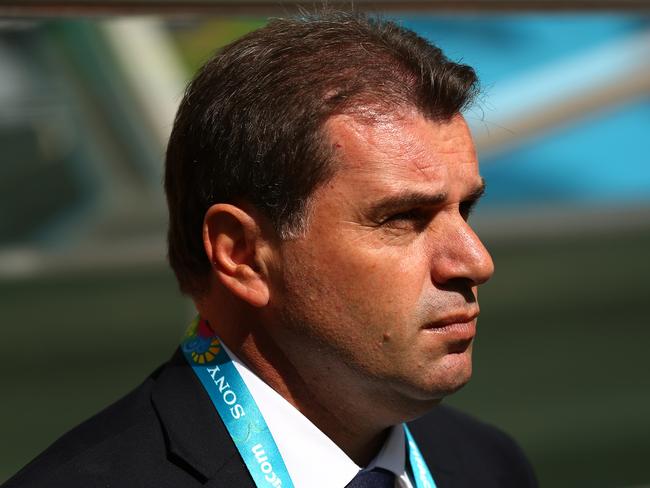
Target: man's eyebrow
421,199
477,192
407,200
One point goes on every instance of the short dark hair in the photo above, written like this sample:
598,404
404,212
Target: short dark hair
250,124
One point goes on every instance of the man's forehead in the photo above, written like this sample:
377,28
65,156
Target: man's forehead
403,146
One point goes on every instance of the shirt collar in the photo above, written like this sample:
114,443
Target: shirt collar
392,454
311,457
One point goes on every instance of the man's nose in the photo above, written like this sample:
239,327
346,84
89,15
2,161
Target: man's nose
462,255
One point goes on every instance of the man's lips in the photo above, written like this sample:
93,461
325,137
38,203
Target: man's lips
457,327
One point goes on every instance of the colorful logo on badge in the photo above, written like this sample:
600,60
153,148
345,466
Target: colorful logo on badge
200,343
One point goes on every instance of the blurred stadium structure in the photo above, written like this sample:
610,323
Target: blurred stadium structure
88,306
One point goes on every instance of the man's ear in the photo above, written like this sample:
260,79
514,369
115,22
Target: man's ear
234,245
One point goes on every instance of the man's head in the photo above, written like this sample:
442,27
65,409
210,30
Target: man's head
251,123
320,173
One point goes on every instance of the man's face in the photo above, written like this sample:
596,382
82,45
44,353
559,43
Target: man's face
382,287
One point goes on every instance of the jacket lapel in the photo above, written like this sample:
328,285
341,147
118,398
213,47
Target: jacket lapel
197,439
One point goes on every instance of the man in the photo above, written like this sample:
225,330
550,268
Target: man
319,178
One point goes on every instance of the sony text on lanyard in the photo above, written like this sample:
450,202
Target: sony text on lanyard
243,419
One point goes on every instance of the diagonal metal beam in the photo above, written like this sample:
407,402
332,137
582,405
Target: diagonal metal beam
563,92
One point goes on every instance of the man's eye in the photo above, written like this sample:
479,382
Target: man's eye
412,219
408,215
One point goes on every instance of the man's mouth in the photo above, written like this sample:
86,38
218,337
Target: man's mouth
457,327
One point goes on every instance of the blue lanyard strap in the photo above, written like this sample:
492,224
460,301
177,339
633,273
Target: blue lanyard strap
235,406
244,421
421,474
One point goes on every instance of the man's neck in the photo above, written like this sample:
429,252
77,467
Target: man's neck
329,395
337,414
322,395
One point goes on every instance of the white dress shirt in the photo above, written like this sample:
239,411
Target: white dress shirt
312,459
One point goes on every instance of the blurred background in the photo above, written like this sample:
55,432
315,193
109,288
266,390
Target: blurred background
88,306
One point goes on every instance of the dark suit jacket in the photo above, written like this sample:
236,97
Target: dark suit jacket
166,433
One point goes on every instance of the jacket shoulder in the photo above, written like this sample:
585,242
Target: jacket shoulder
124,441
459,446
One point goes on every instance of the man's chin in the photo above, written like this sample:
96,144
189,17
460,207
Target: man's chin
450,374
418,394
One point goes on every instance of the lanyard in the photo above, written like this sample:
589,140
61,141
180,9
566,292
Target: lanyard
419,468
243,419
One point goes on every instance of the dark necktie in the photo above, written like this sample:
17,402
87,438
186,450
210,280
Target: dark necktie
375,478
